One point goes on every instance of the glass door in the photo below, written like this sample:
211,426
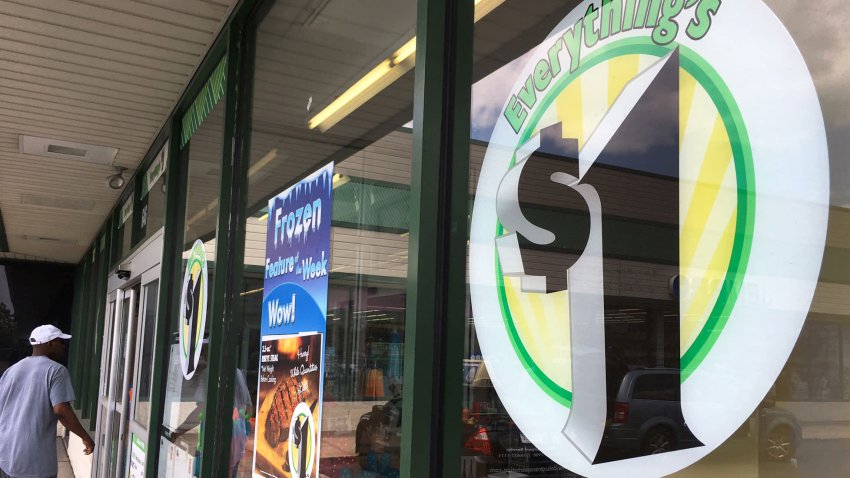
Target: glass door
116,383
103,393
140,385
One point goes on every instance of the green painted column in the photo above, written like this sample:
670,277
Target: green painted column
436,297
169,289
98,310
236,150
218,425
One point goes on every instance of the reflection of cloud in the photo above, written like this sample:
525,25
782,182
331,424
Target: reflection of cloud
823,42
820,32
489,95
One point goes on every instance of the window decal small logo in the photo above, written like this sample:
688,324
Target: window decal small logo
193,309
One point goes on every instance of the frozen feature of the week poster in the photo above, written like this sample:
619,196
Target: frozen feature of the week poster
295,301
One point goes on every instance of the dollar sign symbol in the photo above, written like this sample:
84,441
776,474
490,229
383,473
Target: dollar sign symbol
641,130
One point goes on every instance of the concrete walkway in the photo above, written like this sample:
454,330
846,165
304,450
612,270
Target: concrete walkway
65,470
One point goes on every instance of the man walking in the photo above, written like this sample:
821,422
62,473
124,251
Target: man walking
34,393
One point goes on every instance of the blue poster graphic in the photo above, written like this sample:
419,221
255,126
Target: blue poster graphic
287,436
297,263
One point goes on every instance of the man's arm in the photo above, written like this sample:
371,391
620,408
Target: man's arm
66,415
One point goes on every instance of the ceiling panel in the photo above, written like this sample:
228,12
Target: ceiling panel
166,28
103,72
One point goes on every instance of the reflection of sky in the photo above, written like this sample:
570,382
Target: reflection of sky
488,100
822,42
5,296
823,38
489,95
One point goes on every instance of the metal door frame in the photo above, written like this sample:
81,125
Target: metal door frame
107,359
140,430
116,400
143,265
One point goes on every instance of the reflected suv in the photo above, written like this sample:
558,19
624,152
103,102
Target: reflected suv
646,415
780,433
647,419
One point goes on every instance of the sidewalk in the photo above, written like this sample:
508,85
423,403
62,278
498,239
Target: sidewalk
65,470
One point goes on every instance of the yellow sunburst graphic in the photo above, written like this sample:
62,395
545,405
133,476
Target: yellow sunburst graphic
707,209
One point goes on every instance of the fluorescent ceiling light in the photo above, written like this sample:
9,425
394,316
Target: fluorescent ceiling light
388,71
56,148
484,7
367,87
67,150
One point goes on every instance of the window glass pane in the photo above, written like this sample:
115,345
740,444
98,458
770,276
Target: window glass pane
123,233
151,216
114,442
307,65
143,388
184,413
121,334
106,351
655,286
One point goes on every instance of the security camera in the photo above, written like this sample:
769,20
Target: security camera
122,274
116,181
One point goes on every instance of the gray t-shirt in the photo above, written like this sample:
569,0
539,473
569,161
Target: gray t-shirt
28,391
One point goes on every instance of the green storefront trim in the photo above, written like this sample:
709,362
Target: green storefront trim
206,100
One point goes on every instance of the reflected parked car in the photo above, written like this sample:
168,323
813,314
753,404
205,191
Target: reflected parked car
780,433
647,419
647,416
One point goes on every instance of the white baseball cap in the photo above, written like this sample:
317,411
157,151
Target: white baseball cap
45,333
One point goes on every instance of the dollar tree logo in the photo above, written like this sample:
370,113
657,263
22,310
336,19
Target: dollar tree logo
679,92
193,309
301,451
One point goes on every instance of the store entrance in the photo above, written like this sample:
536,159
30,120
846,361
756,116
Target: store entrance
126,369
112,422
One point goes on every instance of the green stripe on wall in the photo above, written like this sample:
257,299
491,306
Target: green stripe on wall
204,102
360,204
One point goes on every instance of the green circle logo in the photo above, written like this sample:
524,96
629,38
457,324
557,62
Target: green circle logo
301,450
646,144
193,309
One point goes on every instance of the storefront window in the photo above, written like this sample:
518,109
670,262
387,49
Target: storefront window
655,288
152,204
333,87
123,230
143,393
187,378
